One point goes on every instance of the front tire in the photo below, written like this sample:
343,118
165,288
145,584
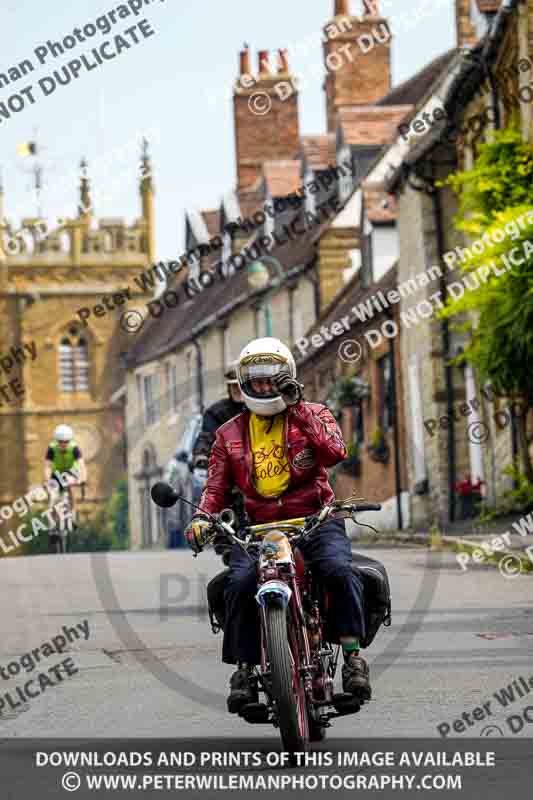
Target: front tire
287,685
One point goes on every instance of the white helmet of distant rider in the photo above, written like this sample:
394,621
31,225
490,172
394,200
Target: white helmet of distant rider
232,383
266,359
63,433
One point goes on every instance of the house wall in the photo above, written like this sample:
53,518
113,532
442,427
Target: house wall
422,345
423,357
376,481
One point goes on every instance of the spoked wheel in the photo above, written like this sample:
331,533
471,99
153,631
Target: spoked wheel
287,684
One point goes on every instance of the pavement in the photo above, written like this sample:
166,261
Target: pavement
465,536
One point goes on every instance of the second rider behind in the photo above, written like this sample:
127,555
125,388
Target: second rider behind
215,416
277,453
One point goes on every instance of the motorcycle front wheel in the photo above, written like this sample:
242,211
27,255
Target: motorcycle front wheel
287,683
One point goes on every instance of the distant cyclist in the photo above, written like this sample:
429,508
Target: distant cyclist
64,455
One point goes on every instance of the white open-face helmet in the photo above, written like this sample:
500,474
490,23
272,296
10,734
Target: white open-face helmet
264,358
63,433
230,374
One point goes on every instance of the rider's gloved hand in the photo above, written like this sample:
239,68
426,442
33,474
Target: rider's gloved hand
198,532
289,389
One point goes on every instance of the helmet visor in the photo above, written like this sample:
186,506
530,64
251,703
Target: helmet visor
257,374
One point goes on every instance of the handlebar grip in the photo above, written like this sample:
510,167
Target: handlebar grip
368,506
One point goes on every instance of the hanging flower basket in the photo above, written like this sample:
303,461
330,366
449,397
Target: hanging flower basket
352,463
378,449
346,392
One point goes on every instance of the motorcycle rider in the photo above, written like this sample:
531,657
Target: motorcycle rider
215,416
277,453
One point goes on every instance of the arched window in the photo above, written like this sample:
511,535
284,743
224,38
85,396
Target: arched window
108,242
73,362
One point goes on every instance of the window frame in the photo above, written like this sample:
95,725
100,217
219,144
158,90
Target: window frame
74,363
152,400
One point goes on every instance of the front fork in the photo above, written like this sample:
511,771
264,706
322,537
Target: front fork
300,647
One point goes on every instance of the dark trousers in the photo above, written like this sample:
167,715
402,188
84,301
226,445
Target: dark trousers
329,553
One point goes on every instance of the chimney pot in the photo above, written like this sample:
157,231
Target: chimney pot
371,8
245,62
264,64
283,60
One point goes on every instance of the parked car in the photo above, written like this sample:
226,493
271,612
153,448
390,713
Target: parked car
188,483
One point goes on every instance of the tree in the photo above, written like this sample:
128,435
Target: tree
117,515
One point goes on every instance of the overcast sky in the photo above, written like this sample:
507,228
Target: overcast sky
176,85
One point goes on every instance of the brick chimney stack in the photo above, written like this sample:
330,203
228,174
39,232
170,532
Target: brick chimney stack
356,58
266,116
466,33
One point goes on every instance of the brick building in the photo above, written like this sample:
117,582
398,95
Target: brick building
273,162
78,367
500,37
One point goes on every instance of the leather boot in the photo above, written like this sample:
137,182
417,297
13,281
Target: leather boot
243,690
355,677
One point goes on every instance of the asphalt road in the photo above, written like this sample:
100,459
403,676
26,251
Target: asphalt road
151,666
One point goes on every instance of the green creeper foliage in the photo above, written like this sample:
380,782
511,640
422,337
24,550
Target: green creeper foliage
501,323
501,179
497,194
117,516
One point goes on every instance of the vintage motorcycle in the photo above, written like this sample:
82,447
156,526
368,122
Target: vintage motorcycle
299,648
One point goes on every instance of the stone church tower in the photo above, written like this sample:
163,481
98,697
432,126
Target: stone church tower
54,366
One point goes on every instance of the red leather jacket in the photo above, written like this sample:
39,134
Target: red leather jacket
313,441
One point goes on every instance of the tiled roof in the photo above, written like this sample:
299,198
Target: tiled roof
174,328
371,125
282,177
320,151
413,90
488,6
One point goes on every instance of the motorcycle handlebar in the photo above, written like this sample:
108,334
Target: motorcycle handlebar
225,520
368,507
